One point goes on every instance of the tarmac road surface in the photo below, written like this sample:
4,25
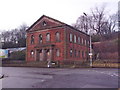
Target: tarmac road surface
21,77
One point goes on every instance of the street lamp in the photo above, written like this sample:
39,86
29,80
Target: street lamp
90,53
86,23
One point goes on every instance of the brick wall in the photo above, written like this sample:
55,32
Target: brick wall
58,45
64,45
76,46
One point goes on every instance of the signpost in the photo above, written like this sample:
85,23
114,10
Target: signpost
3,53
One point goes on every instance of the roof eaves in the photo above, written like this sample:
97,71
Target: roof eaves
76,29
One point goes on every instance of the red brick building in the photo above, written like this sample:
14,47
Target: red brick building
51,40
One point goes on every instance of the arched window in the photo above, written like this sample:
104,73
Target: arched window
32,53
82,41
57,52
32,39
44,23
57,36
47,37
75,38
40,38
78,40
88,43
70,37
85,42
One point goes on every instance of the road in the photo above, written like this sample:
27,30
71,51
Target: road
20,77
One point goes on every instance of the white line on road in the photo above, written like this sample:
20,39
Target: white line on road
111,74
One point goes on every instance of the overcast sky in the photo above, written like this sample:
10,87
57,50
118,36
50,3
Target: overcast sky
14,13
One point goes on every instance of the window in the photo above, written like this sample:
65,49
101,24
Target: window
88,42
82,40
48,52
32,39
32,53
47,37
82,54
70,37
71,52
40,38
86,54
57,36
44,23
74,38
78,40
57,52
75,53
85,42
78,53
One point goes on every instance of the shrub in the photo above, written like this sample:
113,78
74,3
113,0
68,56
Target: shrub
95,38
18,55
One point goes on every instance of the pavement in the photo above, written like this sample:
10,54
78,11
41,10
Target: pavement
20,77
1,76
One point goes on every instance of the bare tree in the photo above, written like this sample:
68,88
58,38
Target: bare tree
96,22
98,19
15,37
113,22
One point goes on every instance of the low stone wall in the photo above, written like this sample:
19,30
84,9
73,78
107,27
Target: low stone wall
63,64
106,64
23,64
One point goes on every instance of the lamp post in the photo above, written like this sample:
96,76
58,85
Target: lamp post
90,51
90,45
86,23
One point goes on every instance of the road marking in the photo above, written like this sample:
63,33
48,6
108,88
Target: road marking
102,72
110,74
42,80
